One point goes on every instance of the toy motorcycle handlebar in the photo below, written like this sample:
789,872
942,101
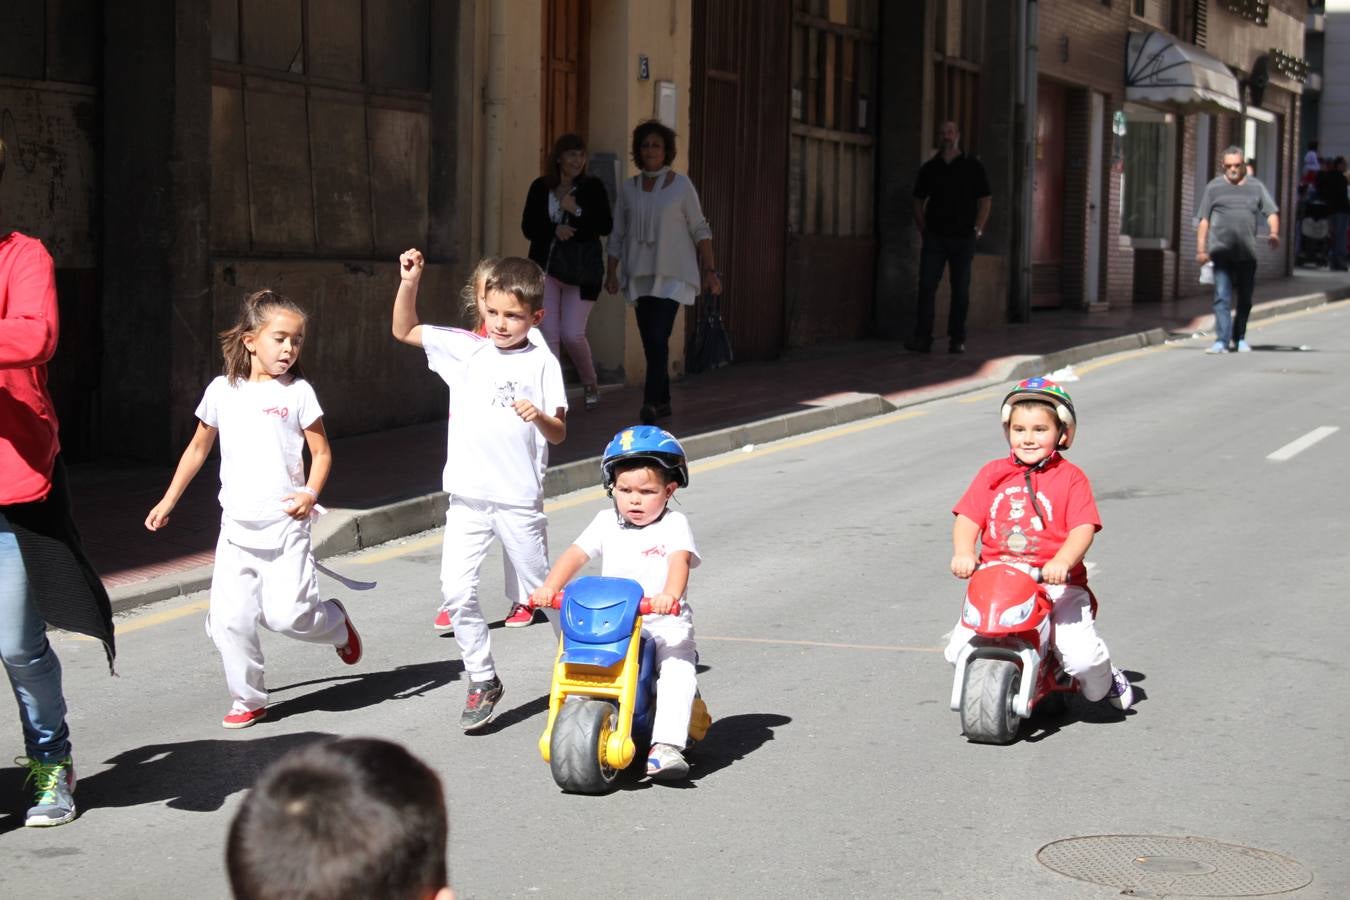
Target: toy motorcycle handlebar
1034,572
644,606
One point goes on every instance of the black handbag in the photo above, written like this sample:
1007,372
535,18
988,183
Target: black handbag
579,261
712,344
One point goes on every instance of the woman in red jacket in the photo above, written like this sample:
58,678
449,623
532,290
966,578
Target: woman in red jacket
45,578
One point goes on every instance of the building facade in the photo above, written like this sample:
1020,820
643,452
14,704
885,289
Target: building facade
176,154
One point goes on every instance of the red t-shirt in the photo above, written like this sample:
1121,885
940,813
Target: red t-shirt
28,332
1010,530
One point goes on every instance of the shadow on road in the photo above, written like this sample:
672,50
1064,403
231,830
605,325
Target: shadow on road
195,776
361,689
727,741
1076,709
514,716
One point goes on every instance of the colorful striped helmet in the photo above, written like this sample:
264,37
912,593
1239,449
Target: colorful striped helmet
646,442
1056,396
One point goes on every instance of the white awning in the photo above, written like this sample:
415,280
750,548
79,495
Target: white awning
1160,68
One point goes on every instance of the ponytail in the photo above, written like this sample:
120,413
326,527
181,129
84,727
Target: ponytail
254,313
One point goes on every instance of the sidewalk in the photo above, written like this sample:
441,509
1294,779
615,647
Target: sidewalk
387,485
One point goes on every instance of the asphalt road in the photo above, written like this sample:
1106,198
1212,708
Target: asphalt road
834,767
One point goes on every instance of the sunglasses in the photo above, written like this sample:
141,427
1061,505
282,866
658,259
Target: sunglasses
1234,165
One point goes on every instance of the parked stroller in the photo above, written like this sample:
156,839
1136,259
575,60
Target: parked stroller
1314,228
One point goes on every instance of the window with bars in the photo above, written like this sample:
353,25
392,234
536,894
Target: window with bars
958,53
832,150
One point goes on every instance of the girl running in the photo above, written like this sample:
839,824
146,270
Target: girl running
265,413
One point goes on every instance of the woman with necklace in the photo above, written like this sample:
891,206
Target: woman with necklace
660,254
566,213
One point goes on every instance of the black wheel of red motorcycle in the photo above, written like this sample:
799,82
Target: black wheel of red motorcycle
987,694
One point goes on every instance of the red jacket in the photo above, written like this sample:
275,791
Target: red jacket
28,332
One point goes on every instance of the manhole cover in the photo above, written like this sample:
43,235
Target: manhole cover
1162,866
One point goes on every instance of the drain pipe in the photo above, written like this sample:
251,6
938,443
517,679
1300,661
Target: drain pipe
1028,25
494,130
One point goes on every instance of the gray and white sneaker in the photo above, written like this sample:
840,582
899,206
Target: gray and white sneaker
53,791
1121,693
478,706
666,763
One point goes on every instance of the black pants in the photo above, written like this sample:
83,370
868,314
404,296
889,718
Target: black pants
655,321
955,255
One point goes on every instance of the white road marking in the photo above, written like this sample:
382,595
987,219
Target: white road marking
1294,448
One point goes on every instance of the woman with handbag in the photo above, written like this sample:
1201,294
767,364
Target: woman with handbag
664,245
566,213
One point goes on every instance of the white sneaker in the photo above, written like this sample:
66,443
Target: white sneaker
1121,693
1244,347
666,763
1217,347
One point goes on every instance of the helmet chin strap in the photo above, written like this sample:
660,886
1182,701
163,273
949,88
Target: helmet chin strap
1038,519
623,520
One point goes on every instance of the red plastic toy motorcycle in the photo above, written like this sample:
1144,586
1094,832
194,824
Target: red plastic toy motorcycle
1009,669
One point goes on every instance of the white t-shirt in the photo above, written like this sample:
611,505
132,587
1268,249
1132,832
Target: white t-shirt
642,554
491,454
262,439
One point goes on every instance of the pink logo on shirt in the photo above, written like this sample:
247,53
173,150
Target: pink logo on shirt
280,412
658,550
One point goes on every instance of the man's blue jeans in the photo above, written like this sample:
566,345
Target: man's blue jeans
956,255
33,669
1232,278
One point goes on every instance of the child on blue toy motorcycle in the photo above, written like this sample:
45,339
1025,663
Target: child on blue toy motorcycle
643,539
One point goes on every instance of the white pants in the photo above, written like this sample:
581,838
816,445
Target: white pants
677,680
511,586
1080,650
470,526
277,589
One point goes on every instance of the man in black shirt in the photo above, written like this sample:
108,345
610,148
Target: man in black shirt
1331,190
951,206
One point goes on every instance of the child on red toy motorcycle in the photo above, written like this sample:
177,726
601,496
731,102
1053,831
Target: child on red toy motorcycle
1034,509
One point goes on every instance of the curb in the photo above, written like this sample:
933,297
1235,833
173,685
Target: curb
347,530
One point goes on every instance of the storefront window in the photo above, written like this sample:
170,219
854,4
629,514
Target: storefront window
1260,142
1150,165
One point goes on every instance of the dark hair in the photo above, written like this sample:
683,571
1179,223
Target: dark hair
3,152
642,462
353,817
643,131
254,313
569,141
521,277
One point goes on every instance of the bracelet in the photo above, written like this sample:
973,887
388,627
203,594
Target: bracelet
308,490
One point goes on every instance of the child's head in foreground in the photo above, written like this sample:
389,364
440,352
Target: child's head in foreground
1038,419
641,469
513,301
354,817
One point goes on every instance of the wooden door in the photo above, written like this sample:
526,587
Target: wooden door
566,61
738,152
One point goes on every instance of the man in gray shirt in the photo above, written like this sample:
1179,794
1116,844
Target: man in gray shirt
1227,238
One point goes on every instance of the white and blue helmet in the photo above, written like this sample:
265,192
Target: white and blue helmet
645,442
